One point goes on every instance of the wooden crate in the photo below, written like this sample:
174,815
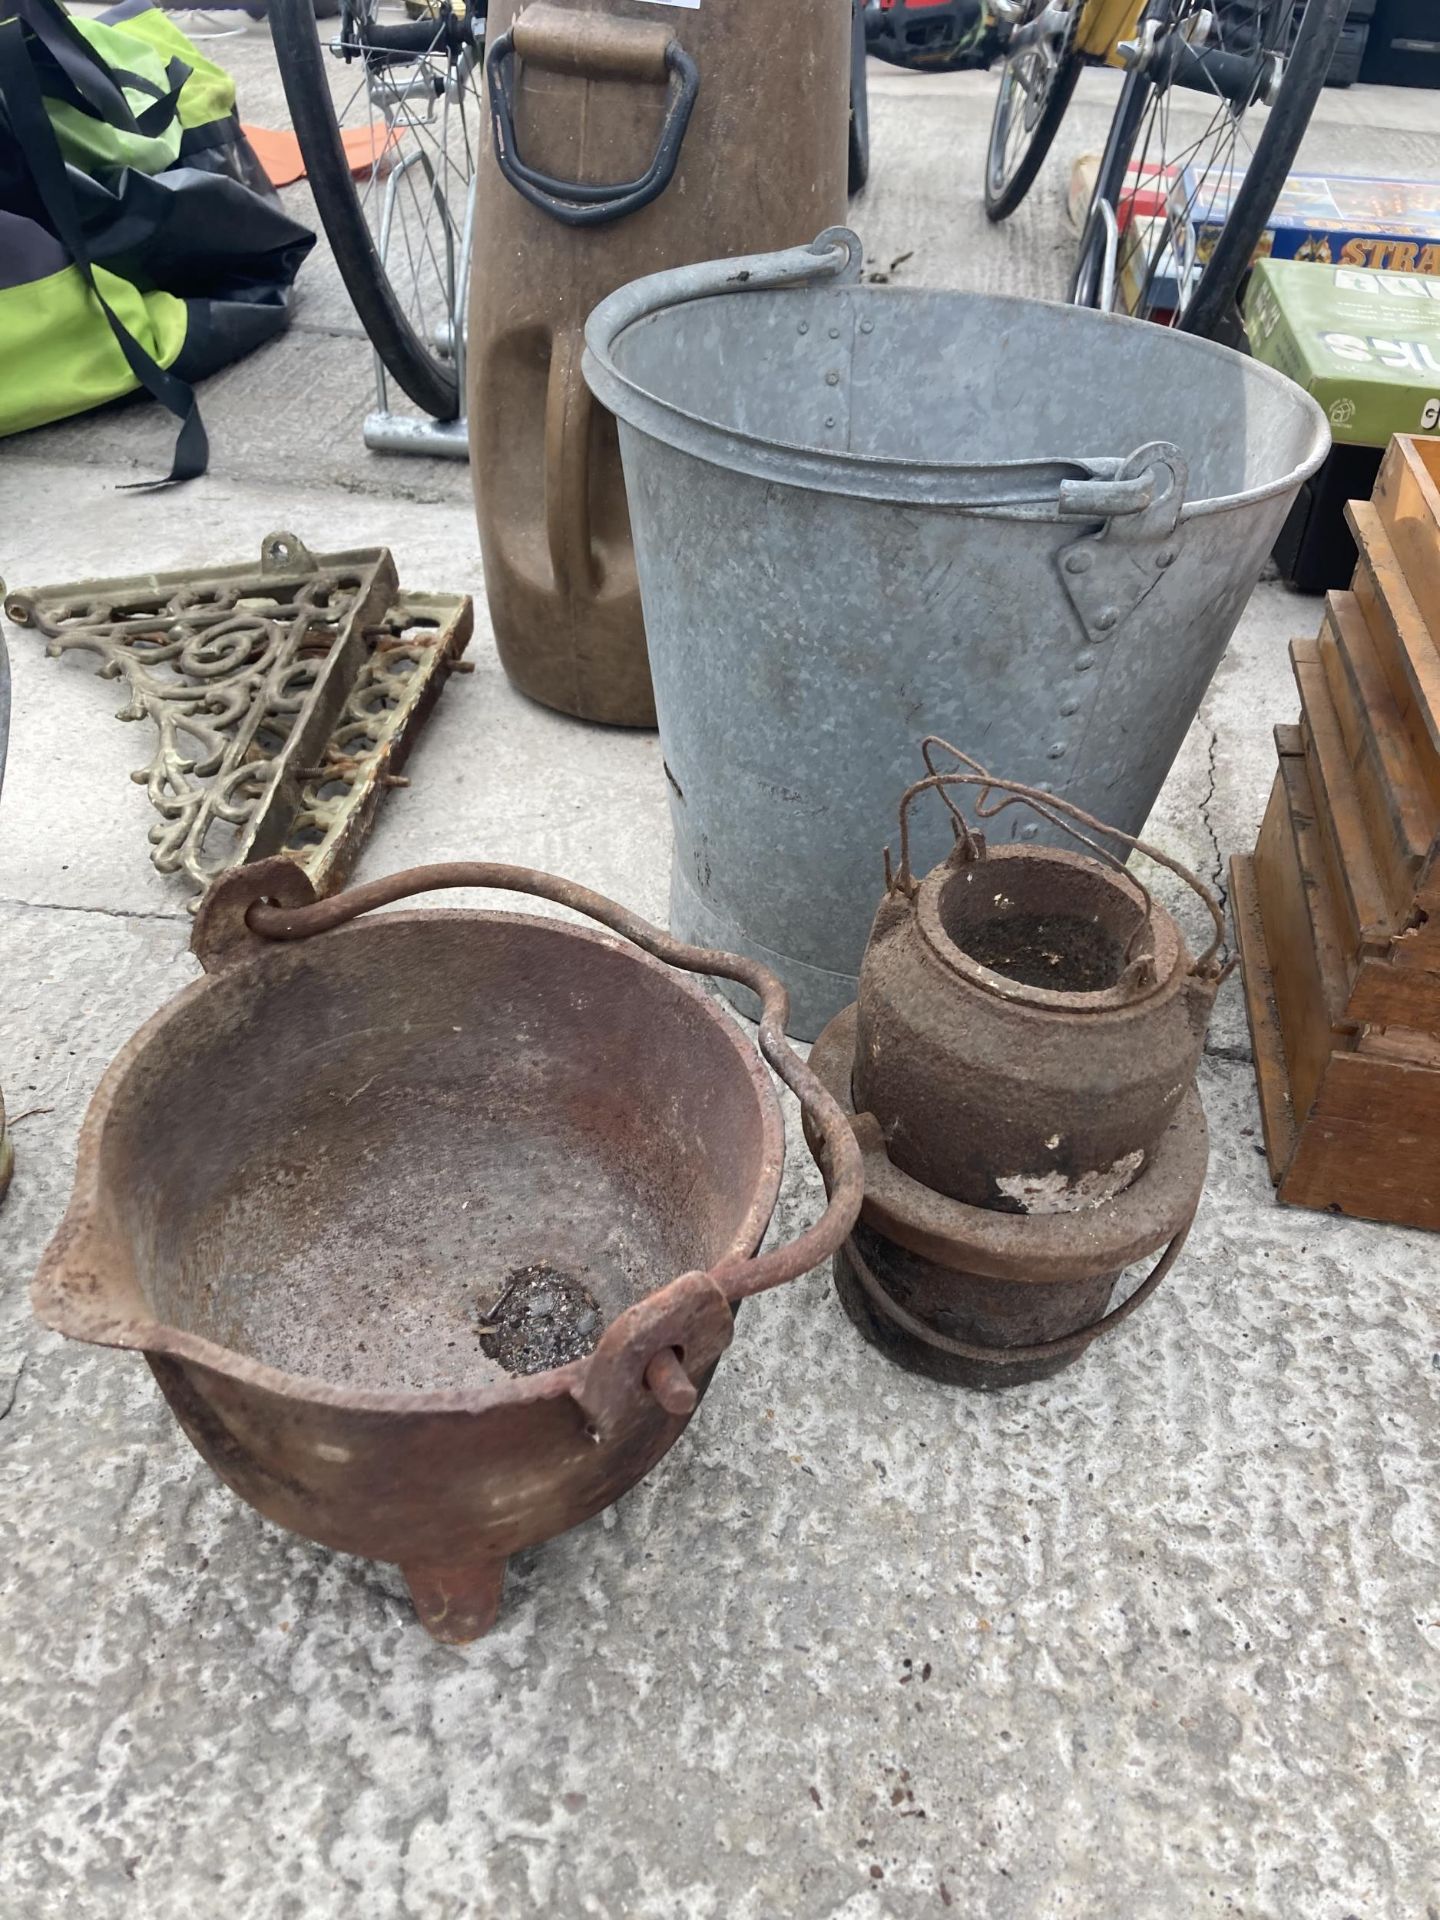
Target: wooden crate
1338,909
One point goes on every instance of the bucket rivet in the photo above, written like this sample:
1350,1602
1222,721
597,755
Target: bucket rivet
1106,619
1084,662
832,379
829,419
1067,707
1165,557
804,327
1057,749
867,326
1077,563
834,333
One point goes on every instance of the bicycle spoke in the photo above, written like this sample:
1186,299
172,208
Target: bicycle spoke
1189,141
419,108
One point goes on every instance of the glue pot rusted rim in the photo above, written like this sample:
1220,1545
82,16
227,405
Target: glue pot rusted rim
1164,942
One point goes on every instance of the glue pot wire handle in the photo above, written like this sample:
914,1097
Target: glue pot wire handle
1057,812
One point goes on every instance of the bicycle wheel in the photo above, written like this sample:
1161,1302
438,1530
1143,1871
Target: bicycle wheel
1041,68
1188,179
394,96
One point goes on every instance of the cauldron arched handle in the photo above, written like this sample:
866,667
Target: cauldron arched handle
273,900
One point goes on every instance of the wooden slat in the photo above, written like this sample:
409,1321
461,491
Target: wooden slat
1403,643
1371,1147
1404,1099
1367,916
1386,995
1277,1115
1404,815
1306,967
1405,1044
1333,964
1423,451
1407,504
1395,863
1418,948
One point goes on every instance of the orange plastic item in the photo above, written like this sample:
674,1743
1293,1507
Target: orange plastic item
278,151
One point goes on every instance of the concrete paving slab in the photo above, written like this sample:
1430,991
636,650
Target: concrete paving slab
1156,1638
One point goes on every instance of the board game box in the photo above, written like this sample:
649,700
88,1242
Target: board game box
1336,219
1365,344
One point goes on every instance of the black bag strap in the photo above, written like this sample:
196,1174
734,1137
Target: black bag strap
84,80
20,88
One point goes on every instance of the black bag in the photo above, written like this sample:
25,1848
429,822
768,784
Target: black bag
140,243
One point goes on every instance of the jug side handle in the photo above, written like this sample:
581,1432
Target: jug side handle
568,409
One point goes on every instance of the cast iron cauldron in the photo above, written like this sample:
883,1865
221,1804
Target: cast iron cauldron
307,1187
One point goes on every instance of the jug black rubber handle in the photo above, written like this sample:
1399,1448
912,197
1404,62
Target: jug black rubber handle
568,201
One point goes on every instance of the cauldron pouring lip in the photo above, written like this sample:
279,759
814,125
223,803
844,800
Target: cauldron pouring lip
273,900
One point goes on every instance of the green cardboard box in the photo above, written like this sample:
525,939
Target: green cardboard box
1365,344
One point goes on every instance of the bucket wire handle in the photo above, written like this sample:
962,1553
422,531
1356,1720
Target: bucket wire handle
835,254
1059,813
264,900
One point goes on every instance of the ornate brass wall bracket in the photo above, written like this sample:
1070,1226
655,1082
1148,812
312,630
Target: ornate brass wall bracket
285,695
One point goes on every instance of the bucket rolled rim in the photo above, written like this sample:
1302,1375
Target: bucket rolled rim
1020,489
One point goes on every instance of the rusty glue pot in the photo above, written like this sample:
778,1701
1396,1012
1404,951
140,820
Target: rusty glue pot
1027,1027
1019,1069
393,1208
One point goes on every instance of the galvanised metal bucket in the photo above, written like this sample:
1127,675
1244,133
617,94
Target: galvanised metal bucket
864,514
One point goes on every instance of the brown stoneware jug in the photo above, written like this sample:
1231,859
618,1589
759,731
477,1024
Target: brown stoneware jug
629,135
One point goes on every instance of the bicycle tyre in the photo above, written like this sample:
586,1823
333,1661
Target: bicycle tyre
859,154
1001,202
429,382
1210,308
1286,122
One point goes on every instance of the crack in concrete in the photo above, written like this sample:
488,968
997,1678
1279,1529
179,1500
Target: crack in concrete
109,913
14,1387
1230,1056
1217,874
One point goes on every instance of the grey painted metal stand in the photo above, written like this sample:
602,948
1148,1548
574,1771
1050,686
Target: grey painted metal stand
385,430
